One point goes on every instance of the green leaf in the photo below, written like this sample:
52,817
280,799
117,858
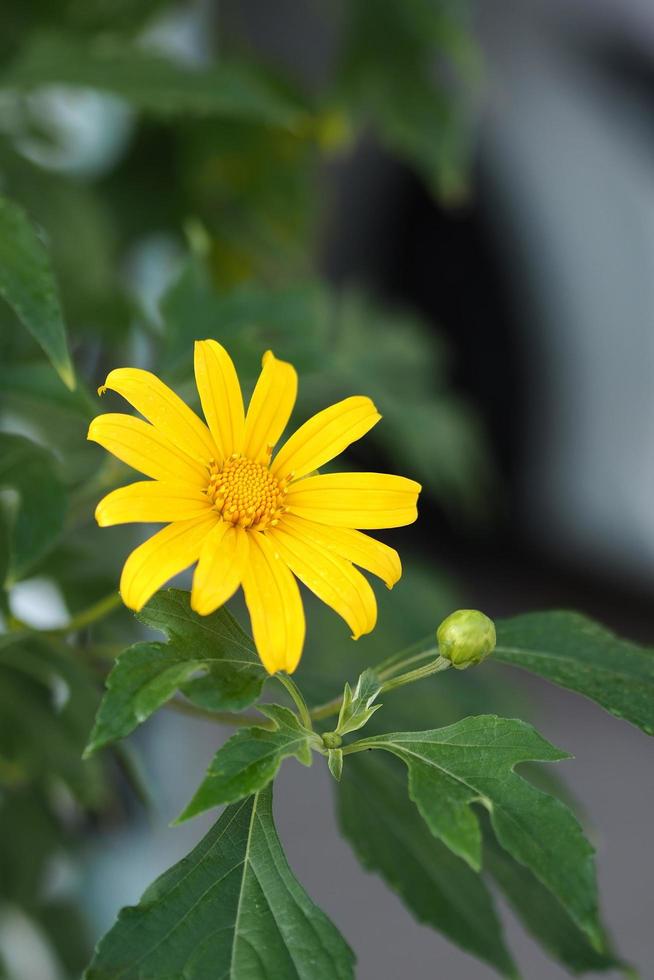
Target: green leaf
149,81
542,915
27,283
47,700
249,760
575,652
408,64
147,675
389,837
357,707
231,909
472,761
335,763
33,473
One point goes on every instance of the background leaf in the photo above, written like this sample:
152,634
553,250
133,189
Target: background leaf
150,81
27,284
576,652
542,914
34,474
232,908
390,837
147,675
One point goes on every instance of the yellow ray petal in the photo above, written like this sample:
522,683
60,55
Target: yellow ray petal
360,549
334,580
152,502
363,500
325,435
144,448
270,407
220,569
275,606
166,410
166,553
220,394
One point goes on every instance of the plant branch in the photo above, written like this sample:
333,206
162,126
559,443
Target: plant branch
296,695
217,717
104,607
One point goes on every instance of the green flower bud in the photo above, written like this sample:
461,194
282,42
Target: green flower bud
466,638
331,740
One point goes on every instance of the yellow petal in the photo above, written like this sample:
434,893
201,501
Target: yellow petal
220,568
334,580
360,549
275,606
325,435
270,407
220,394
166,410
166,553
363,500
144,448
151,502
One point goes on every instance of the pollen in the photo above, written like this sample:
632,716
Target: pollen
245,492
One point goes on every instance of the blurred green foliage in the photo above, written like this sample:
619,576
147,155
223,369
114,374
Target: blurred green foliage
153,198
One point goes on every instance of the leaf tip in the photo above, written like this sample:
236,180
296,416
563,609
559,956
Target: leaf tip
66,372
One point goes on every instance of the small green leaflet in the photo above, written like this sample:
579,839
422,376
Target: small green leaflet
147,675
575,652
472,761
390,837
37,523
231,910
249,760
357,707
335,763
27,283
151,82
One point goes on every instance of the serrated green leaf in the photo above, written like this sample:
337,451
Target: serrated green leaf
232,909
27,283
150,81
390,838
575,652
472,761
147,675
542,914
34,474
250,759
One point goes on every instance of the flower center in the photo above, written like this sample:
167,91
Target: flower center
244,492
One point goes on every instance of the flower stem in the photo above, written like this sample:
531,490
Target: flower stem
416,675
387,670
91,614
296,695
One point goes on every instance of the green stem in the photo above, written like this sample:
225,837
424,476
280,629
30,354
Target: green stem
416,675
362,746
386,670
417,650
217,717
429,654
91,614
327,709
296,695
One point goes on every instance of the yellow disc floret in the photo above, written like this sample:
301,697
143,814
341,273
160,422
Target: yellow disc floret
245,492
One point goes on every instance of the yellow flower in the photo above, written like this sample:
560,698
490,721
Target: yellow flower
250,519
